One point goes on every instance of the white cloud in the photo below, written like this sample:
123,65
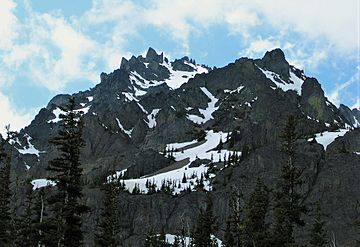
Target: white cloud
332,19
9,115
8,24
335,94
76,53
259,46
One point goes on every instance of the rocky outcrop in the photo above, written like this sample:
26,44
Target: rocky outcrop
275,61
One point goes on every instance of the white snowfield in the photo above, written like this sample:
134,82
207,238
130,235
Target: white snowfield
152,118
30,149
169,238
57,111
181,151
285,86
42,182
327,137
177,78
237,90
128,132
207,113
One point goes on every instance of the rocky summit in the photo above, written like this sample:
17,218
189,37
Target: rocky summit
176,124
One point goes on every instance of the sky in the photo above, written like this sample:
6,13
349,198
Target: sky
48,47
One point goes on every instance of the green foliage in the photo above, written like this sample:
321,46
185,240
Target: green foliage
204,227
6,230
66,206
256,209
108,227
5,195
288,200
28,227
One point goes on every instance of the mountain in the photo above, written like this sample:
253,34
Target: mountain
150,104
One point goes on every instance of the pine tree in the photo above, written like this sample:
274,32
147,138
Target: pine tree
6,229
184,180
28,234
40,225
108,227
318,235
66,206
204,227
256,209
288,205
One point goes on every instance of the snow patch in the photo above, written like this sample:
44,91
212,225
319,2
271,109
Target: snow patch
129,97
326,138
207,113
237,90
152,118
30,149
57,112
193,174
202,151
128,132
285,86
169,238
178,78
42,182
90,98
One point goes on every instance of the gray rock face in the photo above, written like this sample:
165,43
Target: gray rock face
120,133
183,64
152,56
348,114
275,61
317,106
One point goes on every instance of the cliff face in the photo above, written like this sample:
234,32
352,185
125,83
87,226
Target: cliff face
150,104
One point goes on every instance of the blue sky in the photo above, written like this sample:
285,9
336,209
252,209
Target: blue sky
49,47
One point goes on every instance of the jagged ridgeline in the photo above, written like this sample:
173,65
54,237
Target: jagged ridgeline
176,134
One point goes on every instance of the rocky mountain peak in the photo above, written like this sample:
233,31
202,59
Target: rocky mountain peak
275,61
152,56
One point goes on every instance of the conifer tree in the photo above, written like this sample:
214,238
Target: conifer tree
5,195
66,206
288,200
204,227
318,235
6,229
28,234
40,225
256,209
108,227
